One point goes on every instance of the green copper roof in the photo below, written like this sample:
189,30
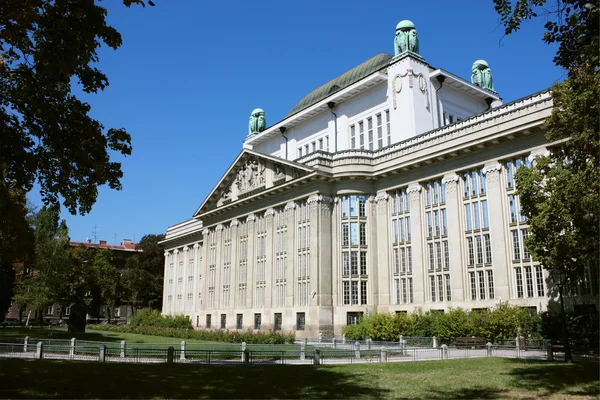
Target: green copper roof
343,81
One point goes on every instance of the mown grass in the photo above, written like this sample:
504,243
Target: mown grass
487,378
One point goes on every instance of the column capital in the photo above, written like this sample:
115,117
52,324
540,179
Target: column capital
196,245
290,206
176,251
166,254
414,188
492,167
186,249
219,227
251,218
270,212
234,222
205,232
450,178
318,198
382,197
539,152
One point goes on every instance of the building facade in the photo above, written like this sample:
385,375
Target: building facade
390,188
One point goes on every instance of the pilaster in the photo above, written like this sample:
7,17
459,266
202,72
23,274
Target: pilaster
219,268
166,284
455,237
204,270
196,286
381,247
270,252
292,252
184,284
174,291
500,249
250,278
235,264
417,243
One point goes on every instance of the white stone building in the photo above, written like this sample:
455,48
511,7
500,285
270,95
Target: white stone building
389,188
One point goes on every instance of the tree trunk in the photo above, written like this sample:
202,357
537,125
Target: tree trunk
77,318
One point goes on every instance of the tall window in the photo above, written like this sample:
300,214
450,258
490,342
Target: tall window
526,279
402,259
226,274
212,265
190,280
476,233
379,121
260,228
303,246
387,127
243,265
280,256
354,250
371,131
438,251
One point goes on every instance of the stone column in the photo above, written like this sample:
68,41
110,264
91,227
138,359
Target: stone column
197,283
166,284
336,263
292,253
235,261
417,243
204,271
455,237
185,273
218,272
250,278
269,264
501,250
174,291
382,268
320,261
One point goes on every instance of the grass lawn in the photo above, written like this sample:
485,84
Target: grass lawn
487,378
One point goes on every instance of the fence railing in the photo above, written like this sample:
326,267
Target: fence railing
291,354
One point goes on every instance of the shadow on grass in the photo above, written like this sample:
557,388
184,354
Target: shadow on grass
56,379
580,379
470,393
12,335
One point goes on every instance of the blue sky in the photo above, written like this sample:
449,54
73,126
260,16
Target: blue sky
189,73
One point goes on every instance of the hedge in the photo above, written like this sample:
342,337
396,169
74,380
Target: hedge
501,322
227,336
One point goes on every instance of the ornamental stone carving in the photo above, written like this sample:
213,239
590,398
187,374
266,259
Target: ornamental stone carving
451,183
196,246
414,191
186,249
205,232
278,172
406,38
258,122
482,75
251,218
492,172
270,212
251,175
290,206
219,227
234,222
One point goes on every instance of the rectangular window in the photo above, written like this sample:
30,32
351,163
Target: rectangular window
354,262
345,234
474,179
473,286
440,288
409,259
354,293
403,258
539,277
407,219
484,210
257,321
395,230
512,205
490,276
436,217
432,281
361,135
519,278
476,215
510,181
410,290
345,264
481,285
438,251
429,225
362,210
444,222
388,130
208,321
448,291
345,206
443,189
479,250
363,292
363,263
352,136
223,321
239,321
470,251
428,194
346,292
436,190
529,277
370,132
379,131
431,256
363,234
300,321
278,321
516,245
482,185
396,261
467,187
488,249
469,224
353,209
446,255
404,296
525,234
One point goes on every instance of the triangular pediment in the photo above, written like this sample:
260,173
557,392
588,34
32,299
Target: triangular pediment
251,173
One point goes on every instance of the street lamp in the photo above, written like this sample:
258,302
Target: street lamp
559,277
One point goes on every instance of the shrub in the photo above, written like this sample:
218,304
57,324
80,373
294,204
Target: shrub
148,317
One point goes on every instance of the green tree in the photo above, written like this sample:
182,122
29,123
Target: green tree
48,48
143,274
104,284
560,193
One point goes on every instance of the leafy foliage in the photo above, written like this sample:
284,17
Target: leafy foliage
143,274
502,322
226,336
154,318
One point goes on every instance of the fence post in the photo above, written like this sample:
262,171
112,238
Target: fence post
72,348
550,353
244,353
102,356
25,343
357,349
435,342
369,344
402,346
122,349
489,349
302,351
182,353
320,336
344,339
444,352
305,341
383,355
39,351
334,342
317,358
170,352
